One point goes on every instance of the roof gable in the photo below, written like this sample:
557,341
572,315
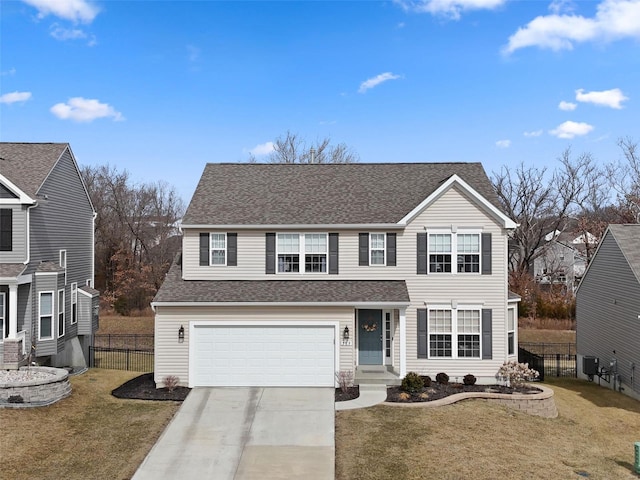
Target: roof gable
27,165
325,194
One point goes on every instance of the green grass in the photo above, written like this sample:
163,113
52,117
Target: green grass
594,433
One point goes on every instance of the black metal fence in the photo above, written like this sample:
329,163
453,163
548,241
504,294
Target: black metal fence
127,341
121,359
549,359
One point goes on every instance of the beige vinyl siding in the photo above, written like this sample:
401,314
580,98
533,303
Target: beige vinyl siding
18,253
172,357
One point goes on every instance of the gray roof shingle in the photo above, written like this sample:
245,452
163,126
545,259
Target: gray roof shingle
175,289
628,238
317,194
28,164
10,270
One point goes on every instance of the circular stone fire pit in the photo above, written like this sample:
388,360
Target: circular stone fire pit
33,387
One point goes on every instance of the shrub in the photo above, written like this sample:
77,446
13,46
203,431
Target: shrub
426,379
412,383
171,382
516,374
442,378
345,380
15,399
469,379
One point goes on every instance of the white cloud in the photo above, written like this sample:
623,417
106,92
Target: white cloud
607,98
262,149
614,20
377,80
61,33
534,133
85,110
448,8
571,129
559,6
193,53
14,97
75,10
567,106
11,71
503,143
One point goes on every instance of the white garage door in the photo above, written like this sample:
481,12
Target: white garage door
263,356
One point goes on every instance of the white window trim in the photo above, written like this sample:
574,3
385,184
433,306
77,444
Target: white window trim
371,250
514,331
74,301
62,255
3,317
58,312
302,253
52,315
454,330
211,249
454,249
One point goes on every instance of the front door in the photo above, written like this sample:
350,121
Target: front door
370,337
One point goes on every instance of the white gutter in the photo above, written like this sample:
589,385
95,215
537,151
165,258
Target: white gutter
279,304
28,257
324,226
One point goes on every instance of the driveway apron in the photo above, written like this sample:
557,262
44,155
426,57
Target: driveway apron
247,433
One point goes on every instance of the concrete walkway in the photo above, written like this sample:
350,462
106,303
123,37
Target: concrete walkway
370,395
247,433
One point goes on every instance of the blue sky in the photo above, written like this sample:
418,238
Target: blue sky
161,87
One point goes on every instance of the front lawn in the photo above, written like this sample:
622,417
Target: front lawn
89,435
593,437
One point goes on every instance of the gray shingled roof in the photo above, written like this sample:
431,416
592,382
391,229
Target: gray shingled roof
10,270
628,238
91,291
175,289
357,193
49,267
28,164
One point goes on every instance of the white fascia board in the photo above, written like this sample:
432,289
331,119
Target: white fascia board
87,294
327,226
281,304
23,198
455,179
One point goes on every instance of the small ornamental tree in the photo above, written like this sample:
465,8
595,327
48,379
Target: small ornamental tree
345,380
516,374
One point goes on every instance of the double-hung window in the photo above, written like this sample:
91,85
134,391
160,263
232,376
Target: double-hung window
445,248
309,249
218,242
60,313
454,333
6,229
46,316
511,331
2,315
377,249
74,303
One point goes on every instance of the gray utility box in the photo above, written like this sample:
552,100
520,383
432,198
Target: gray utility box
590,365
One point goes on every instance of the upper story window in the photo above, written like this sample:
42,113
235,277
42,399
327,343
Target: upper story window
2,315
218,244
377,249
447,248
6,229
63,258
302,251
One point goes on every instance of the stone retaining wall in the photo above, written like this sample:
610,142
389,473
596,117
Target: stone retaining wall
37,392
540,404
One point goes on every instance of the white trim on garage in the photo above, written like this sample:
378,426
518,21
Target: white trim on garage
213,323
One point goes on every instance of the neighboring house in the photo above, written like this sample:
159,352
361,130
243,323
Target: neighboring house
563,259
291,273
608,309
46,257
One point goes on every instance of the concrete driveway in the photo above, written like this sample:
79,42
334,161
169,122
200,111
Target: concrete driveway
247,433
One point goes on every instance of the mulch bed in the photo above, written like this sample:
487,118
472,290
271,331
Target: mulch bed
144,388
436,391
351,393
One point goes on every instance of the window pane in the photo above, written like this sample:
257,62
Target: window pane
511,343
440,263
469,243
315,263
46,303
45,327
288,243
468,263
315,243
217,257
468,345
440,345
377,257
511,319
1,306
377,240
440,321
288,263
440,243
468,321
217,240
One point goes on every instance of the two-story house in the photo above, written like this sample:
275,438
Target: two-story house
291,273
47,302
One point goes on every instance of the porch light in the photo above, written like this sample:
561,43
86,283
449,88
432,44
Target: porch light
345,334
181,334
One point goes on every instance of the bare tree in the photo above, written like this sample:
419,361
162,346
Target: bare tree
542,202
624,178
291,148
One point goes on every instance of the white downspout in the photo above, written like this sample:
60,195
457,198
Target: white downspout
28,258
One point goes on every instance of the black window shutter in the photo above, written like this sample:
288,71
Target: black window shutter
422,333
204,249
422,254
270,241
6,230
333,253
486,254
391,249
232,249
363,249
486,334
